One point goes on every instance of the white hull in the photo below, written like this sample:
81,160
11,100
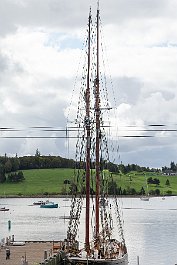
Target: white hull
90,261
144,198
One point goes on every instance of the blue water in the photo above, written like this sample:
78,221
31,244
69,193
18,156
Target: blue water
150,228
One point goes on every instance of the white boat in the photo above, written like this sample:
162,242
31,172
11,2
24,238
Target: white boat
38,203
4,209
144,198
92,177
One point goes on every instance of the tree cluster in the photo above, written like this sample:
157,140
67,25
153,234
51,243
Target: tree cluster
155,181
13,164
15,177
172,168
39,162
114,189
133,167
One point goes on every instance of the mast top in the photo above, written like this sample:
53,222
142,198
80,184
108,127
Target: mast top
98,5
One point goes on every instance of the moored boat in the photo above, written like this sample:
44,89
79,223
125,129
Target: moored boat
49,204
38,203
144,198
4,209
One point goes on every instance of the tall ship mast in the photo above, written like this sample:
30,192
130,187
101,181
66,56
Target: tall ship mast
92,208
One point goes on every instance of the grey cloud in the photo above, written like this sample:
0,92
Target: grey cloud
126,10
3,63
44,103
8,68
8,15
152,152
157,157
41,13
167,95
67,14
43,106
127,90
167,91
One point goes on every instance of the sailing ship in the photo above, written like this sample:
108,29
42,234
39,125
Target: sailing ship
104,241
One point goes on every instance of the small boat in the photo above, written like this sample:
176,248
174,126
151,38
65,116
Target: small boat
49,204
144,198
3,209
38,203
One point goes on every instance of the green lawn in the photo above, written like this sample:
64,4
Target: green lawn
39,181
51,181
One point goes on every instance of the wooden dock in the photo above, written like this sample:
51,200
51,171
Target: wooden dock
35,253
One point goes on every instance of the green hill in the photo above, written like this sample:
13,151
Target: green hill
135,181
51,182
38,182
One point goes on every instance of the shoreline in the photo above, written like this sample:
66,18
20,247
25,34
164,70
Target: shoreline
70,196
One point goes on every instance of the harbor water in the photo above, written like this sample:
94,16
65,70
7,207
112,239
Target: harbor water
149,226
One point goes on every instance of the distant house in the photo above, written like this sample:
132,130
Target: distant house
169,172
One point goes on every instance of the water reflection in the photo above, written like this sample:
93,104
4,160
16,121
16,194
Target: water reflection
150,227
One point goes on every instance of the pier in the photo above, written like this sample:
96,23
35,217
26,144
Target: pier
34,253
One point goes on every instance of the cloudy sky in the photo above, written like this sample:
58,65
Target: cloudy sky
40,46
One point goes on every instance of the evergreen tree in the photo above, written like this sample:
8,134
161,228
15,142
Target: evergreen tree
2,173
167,182
8,166
173,166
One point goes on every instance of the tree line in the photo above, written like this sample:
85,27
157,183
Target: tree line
12,165
172,168
134,167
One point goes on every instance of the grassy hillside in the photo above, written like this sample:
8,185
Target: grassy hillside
138,180
38,181
50,181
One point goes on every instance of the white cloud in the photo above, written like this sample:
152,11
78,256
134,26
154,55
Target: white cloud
40,46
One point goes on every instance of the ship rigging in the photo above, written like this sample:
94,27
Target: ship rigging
92,177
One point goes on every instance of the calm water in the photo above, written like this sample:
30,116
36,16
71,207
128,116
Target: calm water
150,227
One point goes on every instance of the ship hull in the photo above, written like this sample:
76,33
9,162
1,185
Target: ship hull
144,198
80,261
4,209
49,205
